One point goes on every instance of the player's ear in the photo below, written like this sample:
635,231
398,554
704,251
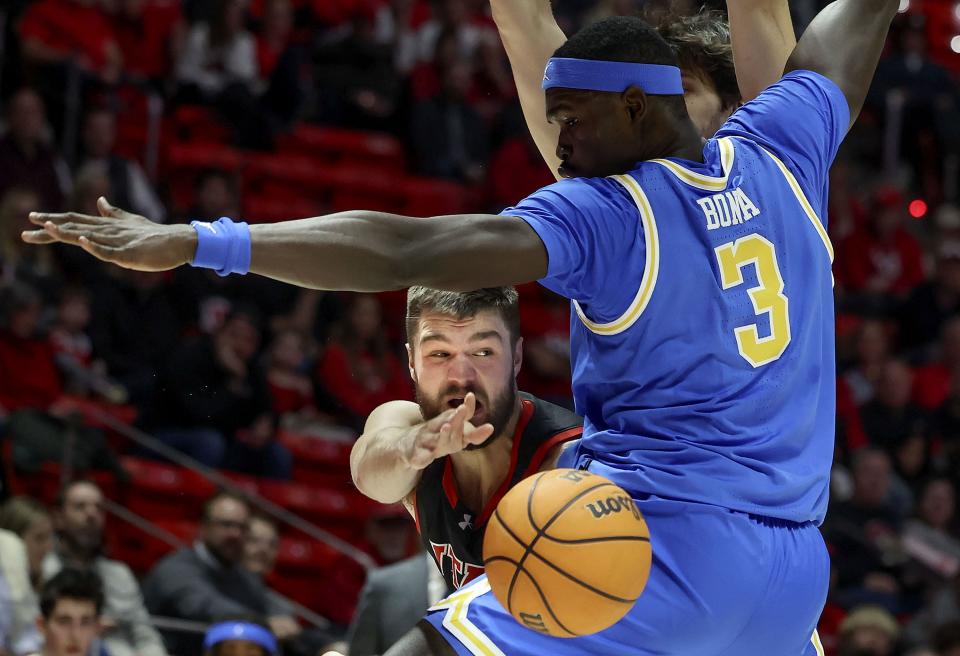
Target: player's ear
517,356
635,102
413,374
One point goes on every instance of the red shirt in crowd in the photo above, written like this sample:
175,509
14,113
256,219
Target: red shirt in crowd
893,265
145,41
931,386
290,393
70,28
336,374
517,170
28,373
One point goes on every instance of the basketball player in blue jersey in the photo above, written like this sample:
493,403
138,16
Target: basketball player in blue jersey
722,62
702,335
471,436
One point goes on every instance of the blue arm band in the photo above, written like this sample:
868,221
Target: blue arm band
223,246
616,77
240,631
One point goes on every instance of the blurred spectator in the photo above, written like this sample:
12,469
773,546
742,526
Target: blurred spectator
241,635
149,34
932,382
863,532
358,367
30,387
391,534
74,350
928,537
881,259
939,619
868,631
18,260
873,349
71,32
259,557
215,196
359,85
280,62
30,521
450,16
516,171
134,357
219,53
448,136
891,416
28,373
80,520
393,600
129,187
18,603
26,158
291,389
208,580
70,605
218,66
214,401
931,304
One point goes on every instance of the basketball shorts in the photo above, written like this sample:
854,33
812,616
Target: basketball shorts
722,583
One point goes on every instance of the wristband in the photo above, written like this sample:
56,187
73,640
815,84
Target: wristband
223,246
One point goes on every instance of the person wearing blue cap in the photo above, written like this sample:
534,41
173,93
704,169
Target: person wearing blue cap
240,636
702,336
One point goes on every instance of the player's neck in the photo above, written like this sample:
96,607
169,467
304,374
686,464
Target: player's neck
480,472
679,139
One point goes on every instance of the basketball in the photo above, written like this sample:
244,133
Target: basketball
567,553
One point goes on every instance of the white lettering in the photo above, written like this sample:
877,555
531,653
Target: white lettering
710,212
727,209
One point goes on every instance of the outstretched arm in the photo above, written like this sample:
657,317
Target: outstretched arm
530,35
356,251
761,33
843,43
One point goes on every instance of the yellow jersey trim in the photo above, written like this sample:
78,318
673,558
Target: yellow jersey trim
698,180
650,271
459,625
807,207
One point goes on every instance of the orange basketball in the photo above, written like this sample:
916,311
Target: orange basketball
567,552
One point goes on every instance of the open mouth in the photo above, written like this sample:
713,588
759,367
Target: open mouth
457,401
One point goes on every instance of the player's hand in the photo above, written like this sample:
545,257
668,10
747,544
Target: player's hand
449,432
117,236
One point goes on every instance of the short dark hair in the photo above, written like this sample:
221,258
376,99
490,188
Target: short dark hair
65,490
702,45
71,583
503,300
219,496
624,39
15,297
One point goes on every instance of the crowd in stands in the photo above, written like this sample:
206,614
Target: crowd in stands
269,109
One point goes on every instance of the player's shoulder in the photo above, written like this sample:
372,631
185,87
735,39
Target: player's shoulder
584,192
550,416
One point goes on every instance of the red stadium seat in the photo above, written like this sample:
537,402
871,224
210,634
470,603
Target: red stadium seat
429,197
196,124
336,146
160,491
326,455
184,161
141,550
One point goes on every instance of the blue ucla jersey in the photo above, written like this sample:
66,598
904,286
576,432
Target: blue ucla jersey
702,339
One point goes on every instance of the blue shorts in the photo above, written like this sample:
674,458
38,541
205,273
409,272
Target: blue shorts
722,583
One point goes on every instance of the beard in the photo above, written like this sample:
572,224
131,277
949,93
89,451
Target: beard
87,541
498,410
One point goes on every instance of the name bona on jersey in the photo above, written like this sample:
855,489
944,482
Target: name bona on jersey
727,209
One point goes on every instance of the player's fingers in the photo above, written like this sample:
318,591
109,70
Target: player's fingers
470,404
434,425
42,218
37,237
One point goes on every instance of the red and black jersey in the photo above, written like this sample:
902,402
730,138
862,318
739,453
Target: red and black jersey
453,533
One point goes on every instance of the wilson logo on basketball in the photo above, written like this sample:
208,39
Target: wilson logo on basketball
604,507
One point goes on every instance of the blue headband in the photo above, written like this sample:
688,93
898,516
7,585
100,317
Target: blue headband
240,631
593,75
